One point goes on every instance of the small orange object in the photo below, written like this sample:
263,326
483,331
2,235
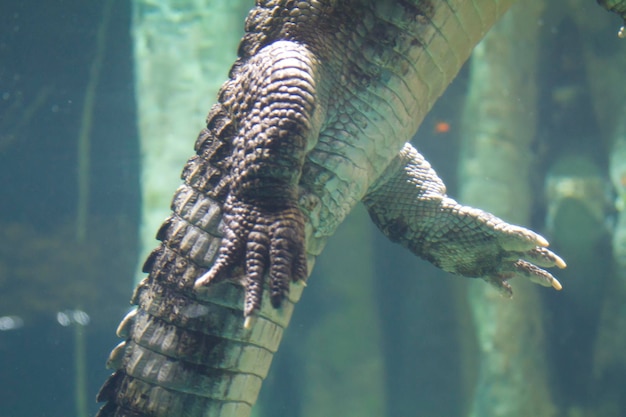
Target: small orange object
442,127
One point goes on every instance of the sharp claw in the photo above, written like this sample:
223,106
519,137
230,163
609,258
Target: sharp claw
249,321
545,279
203,281
546,258
560,263
200,282
215,273
556,284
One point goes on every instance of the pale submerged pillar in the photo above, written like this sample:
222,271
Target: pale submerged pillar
183,51
499,120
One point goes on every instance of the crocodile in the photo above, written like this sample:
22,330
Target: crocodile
315,117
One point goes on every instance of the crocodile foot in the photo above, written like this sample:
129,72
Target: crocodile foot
523,253
474,243
267,240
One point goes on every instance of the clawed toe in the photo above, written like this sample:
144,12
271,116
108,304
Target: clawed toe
537,275
268,242
525,269
544,257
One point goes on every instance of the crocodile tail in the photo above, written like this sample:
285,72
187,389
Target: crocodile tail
186,352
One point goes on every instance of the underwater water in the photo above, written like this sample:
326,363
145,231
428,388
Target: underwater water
378,332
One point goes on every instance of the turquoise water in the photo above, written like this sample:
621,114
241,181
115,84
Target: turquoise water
378,332
46,268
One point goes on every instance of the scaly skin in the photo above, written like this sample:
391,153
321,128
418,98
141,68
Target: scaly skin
313,119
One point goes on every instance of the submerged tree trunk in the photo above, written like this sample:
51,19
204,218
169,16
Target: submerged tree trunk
183,51
605,59
498,128
343,365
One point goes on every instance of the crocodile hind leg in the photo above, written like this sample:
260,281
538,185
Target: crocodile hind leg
410,206
272,100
